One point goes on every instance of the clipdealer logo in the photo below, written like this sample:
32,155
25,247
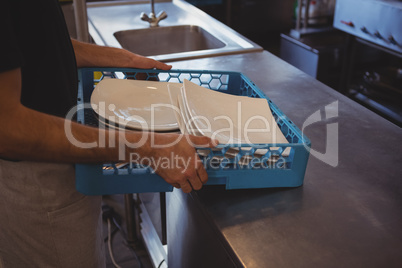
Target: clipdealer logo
227,132
326,116
174,161
331,154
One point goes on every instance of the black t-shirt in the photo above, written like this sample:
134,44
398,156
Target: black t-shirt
35,38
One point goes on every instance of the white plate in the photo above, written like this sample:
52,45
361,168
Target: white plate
137,104
183,118
104,124
174,93
190,124
231,119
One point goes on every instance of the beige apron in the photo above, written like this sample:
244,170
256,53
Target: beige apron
44,221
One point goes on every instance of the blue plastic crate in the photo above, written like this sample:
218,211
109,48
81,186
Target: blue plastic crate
244,169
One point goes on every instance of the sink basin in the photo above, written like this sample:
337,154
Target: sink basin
187,32
167,40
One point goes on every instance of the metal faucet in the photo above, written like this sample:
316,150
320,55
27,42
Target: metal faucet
152,19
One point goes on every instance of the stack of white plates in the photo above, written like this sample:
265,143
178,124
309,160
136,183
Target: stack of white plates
134,104
228,118
188,108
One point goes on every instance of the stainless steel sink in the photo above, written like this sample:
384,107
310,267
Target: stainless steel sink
186,33
166,40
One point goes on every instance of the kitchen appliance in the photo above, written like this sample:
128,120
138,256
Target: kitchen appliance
318,54
376,21
313,45
319,12
372,73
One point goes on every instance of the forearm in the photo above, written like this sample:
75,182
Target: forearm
91,55
41,137
26,134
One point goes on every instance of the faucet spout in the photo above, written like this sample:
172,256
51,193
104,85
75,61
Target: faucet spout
151,18
153,6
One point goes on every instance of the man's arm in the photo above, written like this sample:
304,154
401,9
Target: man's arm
90,55
26,134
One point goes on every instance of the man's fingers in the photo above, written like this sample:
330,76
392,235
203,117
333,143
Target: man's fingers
176,185
186,187
187,170
162,66
202,174
199,176
195,181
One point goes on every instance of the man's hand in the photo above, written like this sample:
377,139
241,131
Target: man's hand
174,158
91,55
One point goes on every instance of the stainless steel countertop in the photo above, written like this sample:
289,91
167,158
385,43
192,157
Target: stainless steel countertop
344,216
